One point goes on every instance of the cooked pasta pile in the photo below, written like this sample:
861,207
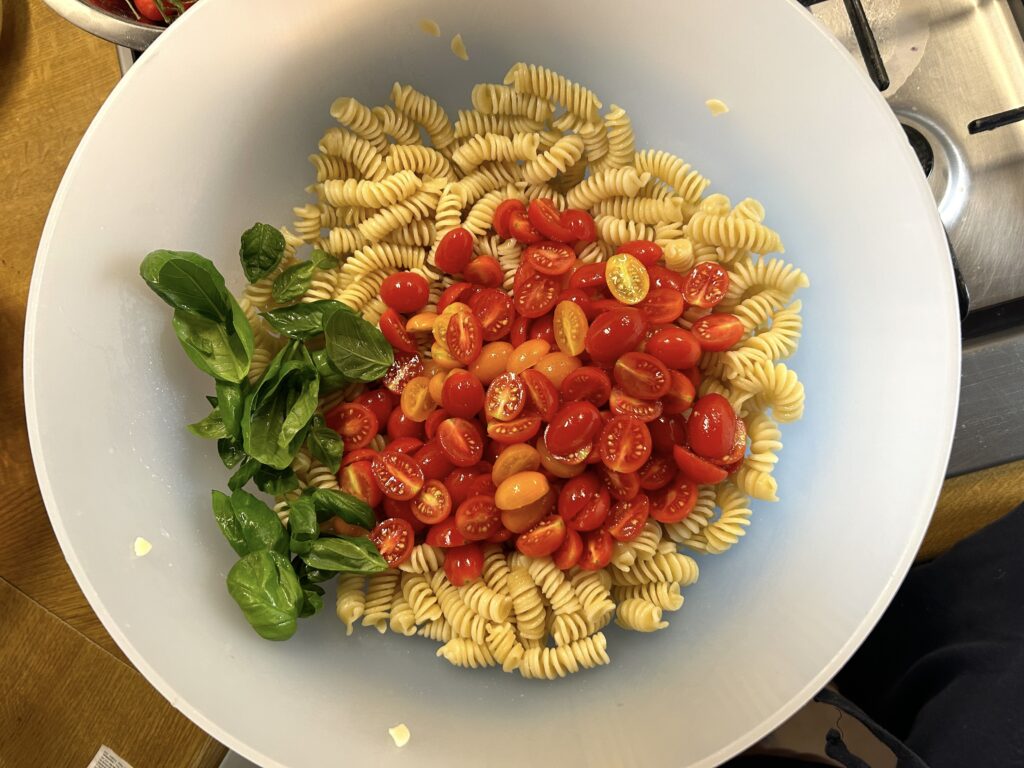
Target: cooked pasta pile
390,181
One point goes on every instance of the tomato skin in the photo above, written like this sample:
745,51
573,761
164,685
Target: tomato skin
541,395
573,426
493,308
536,295
149,9
398,475
394,539
461,441
405,292
543,328
355,423
622,404
445,534
547,219
500,537
416,402
506,397
680,395
711,428
359,454
675,502
569,552
434,421
644,251
464,337
693,467
543,538
627,518
380,401
657,473
662,305
405,368
624,444
406,445
522,230
357,480
477,518
393,328
589,384
663,277
718,332
400,425
485,271
552,259
694,375
621,485
667,432
584,502
516,431
598,547
580,299
433,461
738,451
459,483
464,564
454,251
520,331
432,504
706,285
615,332
462,394
523,518
641,375
675,347
555,466
503,213
457,292
580,224
589,277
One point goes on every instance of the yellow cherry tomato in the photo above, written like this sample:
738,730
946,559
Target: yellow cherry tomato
554,466
526,355
421,323
518,457
570,327
557,365
430,367
442,357
521,489
491,362
436,384
627,278
417,403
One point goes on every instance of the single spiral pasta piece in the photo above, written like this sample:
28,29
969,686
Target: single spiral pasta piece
307,222
329,167
781,339
679,255
644,210
342,240
731,523
621,141
738,398
758,309
527,604
383,257
463,652
553,585
614,182
359,293
493,147
424,111
493,99
749,209
361,153
465,622
377,443
419,233
260,361
550,663
716,204
496,570
423,559
504,646
569,627
483,600
481,215
664,594
673,171
661,567
644,546
765,442
372,312
360,120
487,178
639,615
471,122
594,135
572,177
387,220
698,518
537,191
733,232
373,194
776,387
595,252
402,620
397,126
763,274
551,86
618,231
438,630
319,476
380,591
564,153
351,599
421,598
510,260
422,160
448,214
756,483
592,589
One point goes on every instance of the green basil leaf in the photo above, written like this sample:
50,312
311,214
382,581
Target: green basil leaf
276,482
295,280
346,555
325,445
302,524
230,399
246,471
330,379
312,602
303,321
258,523
261,251
356,349
224,514
221,349
188,282
230,451
353,510
277,412
268,592
211,428
308,575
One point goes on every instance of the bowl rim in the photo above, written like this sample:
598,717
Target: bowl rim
120,30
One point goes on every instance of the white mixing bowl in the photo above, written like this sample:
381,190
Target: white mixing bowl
226,115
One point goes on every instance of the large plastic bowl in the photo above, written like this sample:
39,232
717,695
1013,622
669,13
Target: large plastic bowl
227,118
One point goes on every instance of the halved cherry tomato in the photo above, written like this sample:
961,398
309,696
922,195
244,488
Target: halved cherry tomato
644,251
589,277
641,375
627,518
405,368
706,285
541,395
493,307
393,328
405,292
693,467
459,292
445,534
406,445
547,219
580,224
515,458
503,213
482,485
359,454
718,332
339,527
398,475
711,428
672,504
536,295
662,305
675,347
357,479
556,366
573,426
694,375
527,355
522,230
568,554
550,258
380,401
557,467
434,421
663,277
621,485
624,444
587,383
584,502
543,328
485,271
394,539
401,510
478,518
543,538
666,432
739,448
464,337
523,518
570,327
433,461
580,299
680,395
492,361
520,330
416,402
454,251
521,489
615,332
627,278
460,481
598,547
505,398
516,431
355,423
461,441
622,404
656,473
462,394
433,503
464,564
500,537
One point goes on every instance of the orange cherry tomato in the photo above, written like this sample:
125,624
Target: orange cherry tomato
454,251
543,538
622,404
598,547
587,383
521,489
627,518
674,503
464,564
422,322
355,423
525,517
503,213
627,278
399,476
551,259
477,518
646,252
417,403
462,394
527,355
436,385
516,458
433,503
568,554
505,398
706,285
516,431
394,539
556,366
356,479
464,337
547,219
680,395
461,442
641,375
491,362
624,444
570,327
718,332
541,395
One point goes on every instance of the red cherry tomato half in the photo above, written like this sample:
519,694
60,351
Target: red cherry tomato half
622,404
589,277
433,461
694,375
541,396
543,328
357,480
666,432
459,483
535,295
680,395
460,292
693,467
706,285
398,475
506,397
454,251
645,251
393,328
380,401
568,554
662,305
657,473
461,441
621,485
503,213
485,271
615,332
588,383
434,421
516,431
580,224
739,449
359,454
445,534
624,444
465,337
641,375
522,230
482,485
550,258
464,564
674,503
542,539
477,518
584,502
627,518
547,219
718,332
578,297
432,504
356,424
663,277
598,547
406,445
675,347
462,394
573,426
405,292
520,330
400,425
711,428
493,308
405,368
501,536
394,539
400,509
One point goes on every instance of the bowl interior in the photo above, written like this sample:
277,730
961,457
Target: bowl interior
227,121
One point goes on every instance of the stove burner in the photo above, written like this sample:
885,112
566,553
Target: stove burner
922,148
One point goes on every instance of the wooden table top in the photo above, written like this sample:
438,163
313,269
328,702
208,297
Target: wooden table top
73,689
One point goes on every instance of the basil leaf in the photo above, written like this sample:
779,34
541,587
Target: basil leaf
276,482
330,379
312,602
246,471
261,251
325,444
276,415
221,349
187,281
258,524
229,402
295,280
302,524
211,428
308,575
268,592
356,349
353,510
230,451
346,555
303,321
224,514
